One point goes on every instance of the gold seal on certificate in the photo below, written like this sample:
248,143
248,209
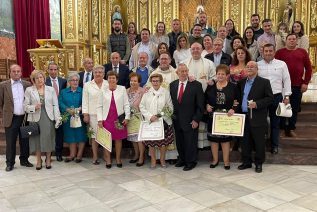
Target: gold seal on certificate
151,130
223,124
133,126
104,138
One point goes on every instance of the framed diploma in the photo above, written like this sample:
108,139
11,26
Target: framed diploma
222,124
104,138
151,131
133,126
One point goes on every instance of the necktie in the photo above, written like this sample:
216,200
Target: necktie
116,69
55,87
87,77
181,92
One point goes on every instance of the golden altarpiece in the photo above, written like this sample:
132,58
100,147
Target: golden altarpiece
87,23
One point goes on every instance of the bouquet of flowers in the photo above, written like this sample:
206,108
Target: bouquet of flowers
90,132
166,111
135,112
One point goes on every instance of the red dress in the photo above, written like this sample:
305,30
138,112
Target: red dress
110,122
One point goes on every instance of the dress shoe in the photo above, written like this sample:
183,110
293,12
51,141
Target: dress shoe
119,165
226,167
244,166
59,158
134,160
212,166
67,160
258,168
140,164
26,163
9,168
274,151
108,166
188,168
179,164
78,160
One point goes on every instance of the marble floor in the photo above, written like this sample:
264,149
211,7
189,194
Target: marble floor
85,187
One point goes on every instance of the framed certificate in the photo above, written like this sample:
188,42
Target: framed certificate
133,126
222,124
151,130
104,138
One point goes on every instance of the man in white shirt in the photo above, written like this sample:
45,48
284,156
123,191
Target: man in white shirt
86,75
277,72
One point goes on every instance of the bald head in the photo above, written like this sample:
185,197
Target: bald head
115,58
143,59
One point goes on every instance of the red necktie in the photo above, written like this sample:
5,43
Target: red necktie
181,92
55,87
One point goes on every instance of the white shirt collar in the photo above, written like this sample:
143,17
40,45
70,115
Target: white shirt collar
13,81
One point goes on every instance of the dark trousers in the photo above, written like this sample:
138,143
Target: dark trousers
275,120
186,142
12,134
253,136
59,141
295,101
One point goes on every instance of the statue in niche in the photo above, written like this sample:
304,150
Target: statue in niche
200,9
117,13
288,15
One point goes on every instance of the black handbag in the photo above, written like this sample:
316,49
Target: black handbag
27,131
121,118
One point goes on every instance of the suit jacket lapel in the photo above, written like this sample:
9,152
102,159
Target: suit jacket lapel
9,90
175,89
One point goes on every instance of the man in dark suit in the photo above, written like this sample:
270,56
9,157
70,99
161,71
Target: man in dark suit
122,70
58,84
11,106
87,74
188,102
255,97
218,56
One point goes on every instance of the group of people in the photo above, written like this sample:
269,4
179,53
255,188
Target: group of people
175,78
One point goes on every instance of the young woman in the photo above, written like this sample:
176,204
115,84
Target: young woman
182,51
302,39
251,43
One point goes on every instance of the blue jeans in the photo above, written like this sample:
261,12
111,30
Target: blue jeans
275,120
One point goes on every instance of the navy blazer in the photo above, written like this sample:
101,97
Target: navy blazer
81,78
62,83
225,58
123,74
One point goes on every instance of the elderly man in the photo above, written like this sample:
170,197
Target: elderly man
277,72
118,41
58,83
196,35
121,69
143,69
188,101
222,33
255,98
144,46
218,56
299,65
11,106
86,75
268,35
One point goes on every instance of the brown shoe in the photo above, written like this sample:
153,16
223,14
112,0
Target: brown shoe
292,133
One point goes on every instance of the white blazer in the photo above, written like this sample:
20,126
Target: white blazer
32,98
91,94
154,101
121,99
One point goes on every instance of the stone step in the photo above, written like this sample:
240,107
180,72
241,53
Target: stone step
307,116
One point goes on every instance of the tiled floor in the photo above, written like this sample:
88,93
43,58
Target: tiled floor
85,187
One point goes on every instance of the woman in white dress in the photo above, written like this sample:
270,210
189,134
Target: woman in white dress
182,51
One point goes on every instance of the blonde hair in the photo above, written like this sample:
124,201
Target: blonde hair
35,74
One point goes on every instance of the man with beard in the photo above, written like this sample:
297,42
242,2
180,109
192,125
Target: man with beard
202,18
118,42
255,23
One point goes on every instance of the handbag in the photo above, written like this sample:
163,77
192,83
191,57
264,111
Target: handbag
75,121
121,118
27,131
284,110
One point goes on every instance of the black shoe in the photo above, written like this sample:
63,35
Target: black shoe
258,168
212,166
78,160
108,166
26,163
140,164
179,164
119,165
173,161
226,167
59,158
188,168
274,151
48,167
134,160
39,167
96,162
9,168
67,160
244,166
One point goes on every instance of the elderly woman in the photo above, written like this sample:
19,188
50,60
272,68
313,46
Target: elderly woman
153,103
220,97
70,101
113,113
91,93
41,104
135,93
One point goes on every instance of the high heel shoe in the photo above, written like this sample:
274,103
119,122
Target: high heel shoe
96,162
134,160
47,166
39,167
67,160
108,166
226,167
212,166
140,164
119,165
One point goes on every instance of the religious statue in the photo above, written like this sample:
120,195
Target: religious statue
116,14
288,15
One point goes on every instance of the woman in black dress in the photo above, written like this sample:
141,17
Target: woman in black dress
220,97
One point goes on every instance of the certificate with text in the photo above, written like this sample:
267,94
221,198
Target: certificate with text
223,124
151,130
104,138
133,126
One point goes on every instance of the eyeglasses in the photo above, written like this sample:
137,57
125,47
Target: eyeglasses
155,81
74,80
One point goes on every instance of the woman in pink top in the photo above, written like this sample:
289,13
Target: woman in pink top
241,57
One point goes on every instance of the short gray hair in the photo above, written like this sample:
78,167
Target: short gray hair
99,67
71,75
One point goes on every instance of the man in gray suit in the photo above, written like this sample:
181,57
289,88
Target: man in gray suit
11,106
